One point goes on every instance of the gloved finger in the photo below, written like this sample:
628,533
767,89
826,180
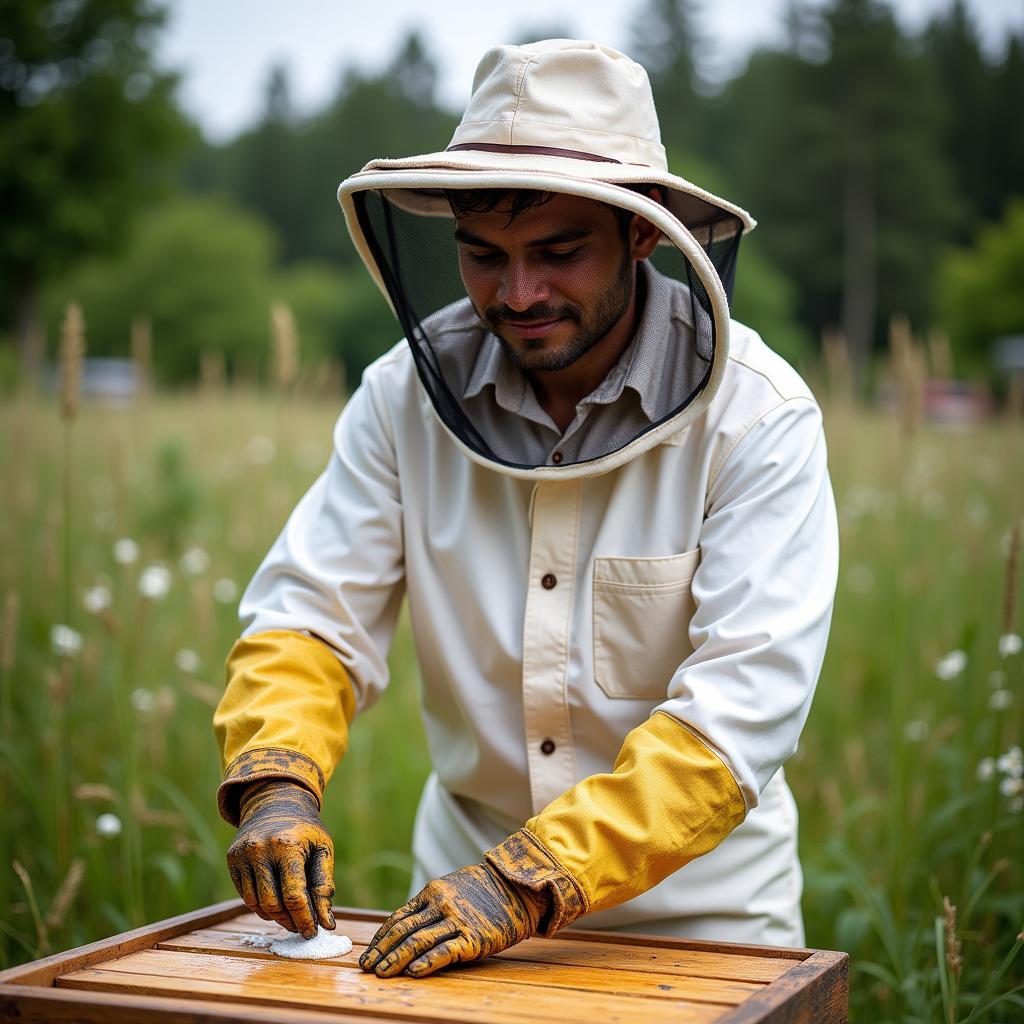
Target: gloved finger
320,883
268,892
294,895
414,945
372,953
444,953
241,878
393,931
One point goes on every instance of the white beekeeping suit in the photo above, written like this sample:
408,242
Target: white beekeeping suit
619,623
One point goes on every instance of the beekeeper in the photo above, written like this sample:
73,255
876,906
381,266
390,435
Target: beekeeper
610,511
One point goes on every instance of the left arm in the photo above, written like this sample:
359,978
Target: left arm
686,777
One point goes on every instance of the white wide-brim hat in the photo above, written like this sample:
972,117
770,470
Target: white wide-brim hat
565,116
561,108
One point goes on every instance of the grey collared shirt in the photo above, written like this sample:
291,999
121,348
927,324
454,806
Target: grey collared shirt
659,370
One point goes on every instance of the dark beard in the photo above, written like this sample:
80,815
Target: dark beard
530,357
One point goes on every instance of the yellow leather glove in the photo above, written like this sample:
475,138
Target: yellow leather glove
465,915
519,890
282,859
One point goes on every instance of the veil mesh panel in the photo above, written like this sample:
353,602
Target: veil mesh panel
453,348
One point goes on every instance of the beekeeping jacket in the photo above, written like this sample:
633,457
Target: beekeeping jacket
619,626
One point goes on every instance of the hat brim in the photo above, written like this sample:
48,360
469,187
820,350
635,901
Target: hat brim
702,212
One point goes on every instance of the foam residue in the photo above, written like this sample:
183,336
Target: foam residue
322,946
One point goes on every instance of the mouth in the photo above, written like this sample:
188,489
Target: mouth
531,328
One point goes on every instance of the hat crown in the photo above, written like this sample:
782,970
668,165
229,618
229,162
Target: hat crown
564,94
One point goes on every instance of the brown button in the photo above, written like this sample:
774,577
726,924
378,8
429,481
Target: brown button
557,458
548,581
547,747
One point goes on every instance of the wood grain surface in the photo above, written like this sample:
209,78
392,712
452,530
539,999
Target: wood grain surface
196,968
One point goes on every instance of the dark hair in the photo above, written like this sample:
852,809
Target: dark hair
486,200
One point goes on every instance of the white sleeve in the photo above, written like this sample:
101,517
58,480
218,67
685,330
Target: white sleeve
764,592
337,569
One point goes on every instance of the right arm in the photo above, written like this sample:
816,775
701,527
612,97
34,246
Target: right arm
318,618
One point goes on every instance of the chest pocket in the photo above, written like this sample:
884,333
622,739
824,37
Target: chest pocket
642,612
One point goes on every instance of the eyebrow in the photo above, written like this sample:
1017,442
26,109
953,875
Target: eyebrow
558,238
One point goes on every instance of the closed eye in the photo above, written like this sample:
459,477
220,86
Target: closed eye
563,255
487,258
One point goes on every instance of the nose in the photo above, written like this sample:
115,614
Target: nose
522,287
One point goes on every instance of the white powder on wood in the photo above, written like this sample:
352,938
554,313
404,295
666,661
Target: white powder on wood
322,946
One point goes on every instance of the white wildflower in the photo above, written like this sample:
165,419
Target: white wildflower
861,579
225,591
97,599
915,730
154,582
259,450
126,551
1010,643
1011,787
143,701
986,769
194,562
108,825
1012,763
1000,700
978,512
65,641
951,665
188,661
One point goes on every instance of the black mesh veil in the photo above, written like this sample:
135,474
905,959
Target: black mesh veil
478,391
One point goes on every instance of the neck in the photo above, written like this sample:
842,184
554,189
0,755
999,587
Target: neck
560,391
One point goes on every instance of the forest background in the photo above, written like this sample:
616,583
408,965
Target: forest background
886,169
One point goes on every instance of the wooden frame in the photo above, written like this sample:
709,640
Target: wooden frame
814,989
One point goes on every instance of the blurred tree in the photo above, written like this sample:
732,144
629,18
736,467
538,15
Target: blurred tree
982,289
87,122
412,73
1007,105
267,168
198,269
546,30
967,85
203,272
389,114
664,40
845,170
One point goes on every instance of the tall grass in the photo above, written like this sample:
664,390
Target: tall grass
912,831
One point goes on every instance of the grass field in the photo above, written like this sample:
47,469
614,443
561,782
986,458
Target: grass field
137,528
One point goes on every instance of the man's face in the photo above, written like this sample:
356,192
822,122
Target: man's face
551,284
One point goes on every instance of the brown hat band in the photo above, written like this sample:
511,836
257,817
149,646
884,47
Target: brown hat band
572,154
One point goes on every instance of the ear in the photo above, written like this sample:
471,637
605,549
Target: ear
644,235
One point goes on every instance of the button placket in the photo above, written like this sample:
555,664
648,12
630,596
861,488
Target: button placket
546,629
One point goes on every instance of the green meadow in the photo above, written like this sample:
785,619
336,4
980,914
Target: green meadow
136,528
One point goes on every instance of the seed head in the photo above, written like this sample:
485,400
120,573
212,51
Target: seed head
286,347
953,959
72,352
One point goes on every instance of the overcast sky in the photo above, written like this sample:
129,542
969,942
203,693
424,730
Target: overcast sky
225,48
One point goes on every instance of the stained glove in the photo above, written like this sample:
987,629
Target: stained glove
518,891
465,915
282,859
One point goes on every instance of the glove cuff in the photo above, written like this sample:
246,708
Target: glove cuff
524,860
266,763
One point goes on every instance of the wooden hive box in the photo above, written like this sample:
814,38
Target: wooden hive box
194,968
